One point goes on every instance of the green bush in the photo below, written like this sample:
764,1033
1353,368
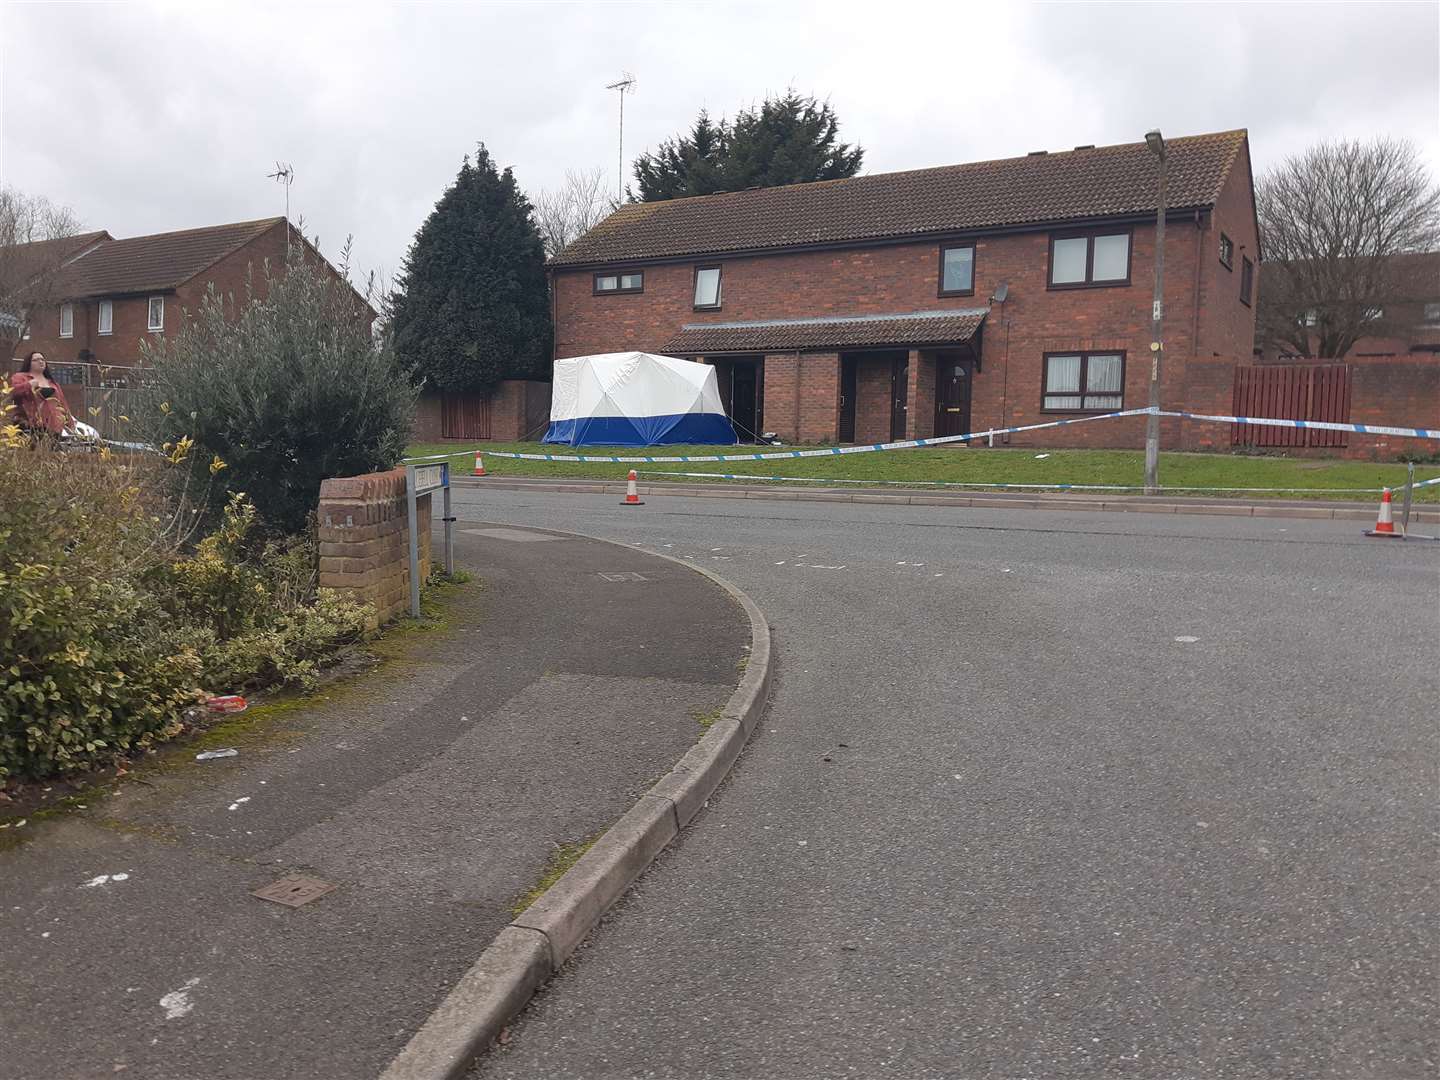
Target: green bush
112,624
286,385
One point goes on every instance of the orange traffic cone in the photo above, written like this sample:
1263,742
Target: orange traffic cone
632,493
479,464
1385,525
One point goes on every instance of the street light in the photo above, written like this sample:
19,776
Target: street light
1156,142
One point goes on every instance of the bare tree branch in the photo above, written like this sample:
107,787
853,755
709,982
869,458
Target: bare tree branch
29,265
570,211
1332,221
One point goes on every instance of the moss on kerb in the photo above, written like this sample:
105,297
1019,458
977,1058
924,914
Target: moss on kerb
561,859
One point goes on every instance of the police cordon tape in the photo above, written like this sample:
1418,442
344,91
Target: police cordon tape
1007,487
911,444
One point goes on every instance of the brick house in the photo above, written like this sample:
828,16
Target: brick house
108,296
935,301
1408,327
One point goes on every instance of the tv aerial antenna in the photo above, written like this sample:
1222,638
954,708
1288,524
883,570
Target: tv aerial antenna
284,174
625,85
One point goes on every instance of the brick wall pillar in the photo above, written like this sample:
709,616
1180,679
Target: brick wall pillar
365,541
782,396
819,397
920,396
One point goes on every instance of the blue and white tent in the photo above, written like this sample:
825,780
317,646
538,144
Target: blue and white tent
635,399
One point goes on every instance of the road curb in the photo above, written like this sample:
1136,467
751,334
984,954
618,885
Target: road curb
533,947
1131,504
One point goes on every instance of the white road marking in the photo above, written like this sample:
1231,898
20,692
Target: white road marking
177,1003
1185,639
104,879
236,804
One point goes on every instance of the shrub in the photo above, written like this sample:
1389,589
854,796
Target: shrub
287,387
111,626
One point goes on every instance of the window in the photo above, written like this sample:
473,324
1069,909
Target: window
1247,279
1374,314
957,270
1227,252
157,313
67,320
1083,382
106,321
1310,319
707,286
1092,259
620,283
1432,313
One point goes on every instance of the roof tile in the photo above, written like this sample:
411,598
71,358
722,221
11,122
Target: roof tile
159,262
782,335
1107,181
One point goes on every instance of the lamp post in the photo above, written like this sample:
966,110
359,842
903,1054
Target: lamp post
1156,142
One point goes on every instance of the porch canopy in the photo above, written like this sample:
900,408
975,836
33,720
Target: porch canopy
913,329
636,399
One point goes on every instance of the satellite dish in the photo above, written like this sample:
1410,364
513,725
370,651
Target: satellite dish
1001,292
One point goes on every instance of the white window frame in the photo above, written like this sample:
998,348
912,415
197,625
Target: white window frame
150,323
105,318
719,273
67,320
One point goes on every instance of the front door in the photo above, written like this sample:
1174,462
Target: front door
848,381
899,390
744,400
952,396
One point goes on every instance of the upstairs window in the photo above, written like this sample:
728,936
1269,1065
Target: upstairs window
1227,252
105,322
707,287
1089,259
1432,313
67,320
1083,382
1247,279
633,282
156,320
1374,314
957,270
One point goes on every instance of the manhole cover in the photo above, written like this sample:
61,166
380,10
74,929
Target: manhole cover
627,575
294,890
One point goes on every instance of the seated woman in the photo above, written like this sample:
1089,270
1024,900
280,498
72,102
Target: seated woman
40,406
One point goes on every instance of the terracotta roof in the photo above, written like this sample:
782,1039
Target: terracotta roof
1097,182
781,335
159,262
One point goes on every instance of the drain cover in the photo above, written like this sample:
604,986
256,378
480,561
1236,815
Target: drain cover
294,890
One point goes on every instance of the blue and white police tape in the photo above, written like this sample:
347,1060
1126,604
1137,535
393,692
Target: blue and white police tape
904,444
1011,487
943,440
1320,425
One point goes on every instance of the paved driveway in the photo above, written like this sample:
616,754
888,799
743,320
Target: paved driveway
1040,795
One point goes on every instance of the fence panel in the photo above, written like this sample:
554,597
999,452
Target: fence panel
465,416
1291,392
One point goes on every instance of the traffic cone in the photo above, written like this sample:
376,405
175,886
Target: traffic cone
1385,525
479,464
632,493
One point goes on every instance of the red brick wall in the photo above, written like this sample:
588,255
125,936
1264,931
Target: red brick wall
519,409
1398,392
873,400
1227,325
365,540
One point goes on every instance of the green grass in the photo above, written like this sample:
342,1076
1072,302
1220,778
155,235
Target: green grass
1301,477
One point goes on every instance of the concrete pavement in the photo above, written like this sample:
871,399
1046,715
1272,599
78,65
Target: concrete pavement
431,794
1040,795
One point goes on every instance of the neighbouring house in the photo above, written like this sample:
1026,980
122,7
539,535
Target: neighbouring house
105,297
1409,326
941,300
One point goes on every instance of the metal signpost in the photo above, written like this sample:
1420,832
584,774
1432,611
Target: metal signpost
421,480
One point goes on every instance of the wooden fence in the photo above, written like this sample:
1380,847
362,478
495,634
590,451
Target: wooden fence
1292,392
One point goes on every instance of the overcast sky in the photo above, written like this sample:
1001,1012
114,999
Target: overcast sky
146,117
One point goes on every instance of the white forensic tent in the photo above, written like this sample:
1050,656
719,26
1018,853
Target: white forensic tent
635,399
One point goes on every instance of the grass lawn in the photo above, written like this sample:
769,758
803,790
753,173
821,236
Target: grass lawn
1210,473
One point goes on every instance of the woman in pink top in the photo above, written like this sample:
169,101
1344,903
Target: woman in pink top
40,406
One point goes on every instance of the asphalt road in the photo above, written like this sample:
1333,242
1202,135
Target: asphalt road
1042,795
